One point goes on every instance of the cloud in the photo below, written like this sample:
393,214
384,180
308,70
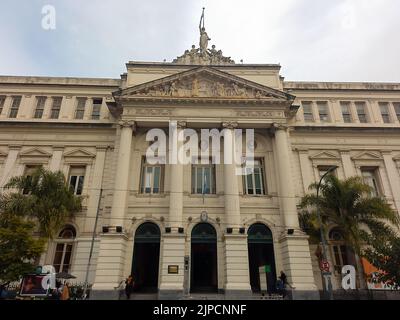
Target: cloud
341,40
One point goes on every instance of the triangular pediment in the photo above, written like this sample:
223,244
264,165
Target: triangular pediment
35,152
367,155
325,155
204,82
79,153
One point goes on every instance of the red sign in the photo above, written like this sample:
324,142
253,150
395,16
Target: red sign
324,265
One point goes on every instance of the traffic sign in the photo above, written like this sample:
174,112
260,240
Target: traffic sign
324,265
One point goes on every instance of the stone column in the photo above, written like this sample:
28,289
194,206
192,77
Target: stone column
237,281
173,253
13,151
94,189
122,174
393,177
231,187
113,245
295,250
348,167
176,177
286,191
55,162
6,107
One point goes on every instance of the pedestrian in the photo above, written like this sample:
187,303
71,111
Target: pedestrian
129,284
65,291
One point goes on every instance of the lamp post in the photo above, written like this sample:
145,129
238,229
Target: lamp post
327,288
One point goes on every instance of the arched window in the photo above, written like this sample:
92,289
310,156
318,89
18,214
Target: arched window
342,254
64,247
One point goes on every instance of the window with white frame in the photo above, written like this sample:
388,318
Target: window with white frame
361,112
396,106
370,177
203,179
76,179
64,248
96,108
342,254
345,106
324,169
253,180
56,107
323,111
2,101
80,108
307,111
151,178
16,101
384,107
40,102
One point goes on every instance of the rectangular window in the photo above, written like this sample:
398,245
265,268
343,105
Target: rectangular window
76,179
80,108
324,169
96,108
40,102
361,112
254,183
55,108
29,170
323,111
16,101
62,257
2,101
384,107
307,111
396,106
203,179
152,179
345,106
370,178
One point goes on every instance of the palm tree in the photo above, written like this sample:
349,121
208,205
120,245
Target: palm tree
349,206
45,197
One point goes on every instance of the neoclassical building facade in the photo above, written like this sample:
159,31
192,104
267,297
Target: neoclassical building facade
181,228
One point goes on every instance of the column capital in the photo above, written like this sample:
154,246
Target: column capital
279,126
386,152
127,124
102,148
181,124
14,146
58,148
229,124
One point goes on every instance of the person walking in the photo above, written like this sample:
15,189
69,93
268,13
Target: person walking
129,284
65,292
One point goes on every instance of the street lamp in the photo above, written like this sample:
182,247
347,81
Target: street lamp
328,290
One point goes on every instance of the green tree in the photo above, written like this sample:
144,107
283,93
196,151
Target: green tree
45,197
18,246
384,254
348,206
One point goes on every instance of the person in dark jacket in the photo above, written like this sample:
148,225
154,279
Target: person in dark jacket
129,283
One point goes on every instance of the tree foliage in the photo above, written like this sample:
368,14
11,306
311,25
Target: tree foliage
18,247
348,206
46,198
384,254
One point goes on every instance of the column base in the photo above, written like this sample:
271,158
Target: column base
297,265
110,264
237,279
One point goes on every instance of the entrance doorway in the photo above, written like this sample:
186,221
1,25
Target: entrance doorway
203,271
146,258
261,253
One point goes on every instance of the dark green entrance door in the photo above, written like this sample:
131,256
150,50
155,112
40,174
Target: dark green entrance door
203,271
261,253
146,258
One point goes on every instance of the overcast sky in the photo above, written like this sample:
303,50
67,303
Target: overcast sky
313,40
